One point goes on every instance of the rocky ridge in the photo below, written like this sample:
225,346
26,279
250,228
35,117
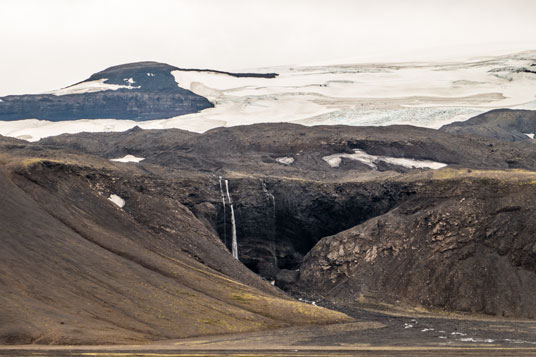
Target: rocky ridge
355,233
498,124
283,210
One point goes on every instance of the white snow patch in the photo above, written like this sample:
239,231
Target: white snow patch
130,81
459,333
308,301
334,160
406,325
520,341
150,74
427,329
530,135
287,160
371,160
471,339
89,87
128,158
117,200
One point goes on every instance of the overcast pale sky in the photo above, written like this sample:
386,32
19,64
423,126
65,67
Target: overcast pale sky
48,44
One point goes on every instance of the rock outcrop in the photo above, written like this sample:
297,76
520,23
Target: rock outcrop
283,210
498,124
463,243
368,230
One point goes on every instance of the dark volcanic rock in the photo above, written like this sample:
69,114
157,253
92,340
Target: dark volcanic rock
275,232
458,244
499,124
421,234
286,278
134,141
153,93
148,76
77,269
513,70
255,148
282,211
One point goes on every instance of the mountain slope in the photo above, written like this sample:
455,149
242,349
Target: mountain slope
77,269
284,207
499,124
159,267
464,242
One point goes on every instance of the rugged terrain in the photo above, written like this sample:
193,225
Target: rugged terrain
499,124
77,268
283,209
294,204
398,217
463,242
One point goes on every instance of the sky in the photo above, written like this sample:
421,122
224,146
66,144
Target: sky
50,44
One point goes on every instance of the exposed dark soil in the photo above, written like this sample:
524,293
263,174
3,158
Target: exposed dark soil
77,269
499,124
412,240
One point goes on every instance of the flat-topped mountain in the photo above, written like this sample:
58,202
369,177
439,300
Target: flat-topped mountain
136,91
426,94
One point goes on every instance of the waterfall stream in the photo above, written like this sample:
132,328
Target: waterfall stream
268,194
234,243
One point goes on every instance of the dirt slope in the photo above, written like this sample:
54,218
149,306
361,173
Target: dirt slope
77,269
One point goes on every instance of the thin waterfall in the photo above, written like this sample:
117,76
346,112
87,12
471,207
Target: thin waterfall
268,194
271,197
234,244
224,215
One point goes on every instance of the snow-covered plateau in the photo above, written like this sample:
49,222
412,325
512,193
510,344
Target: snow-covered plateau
427,94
